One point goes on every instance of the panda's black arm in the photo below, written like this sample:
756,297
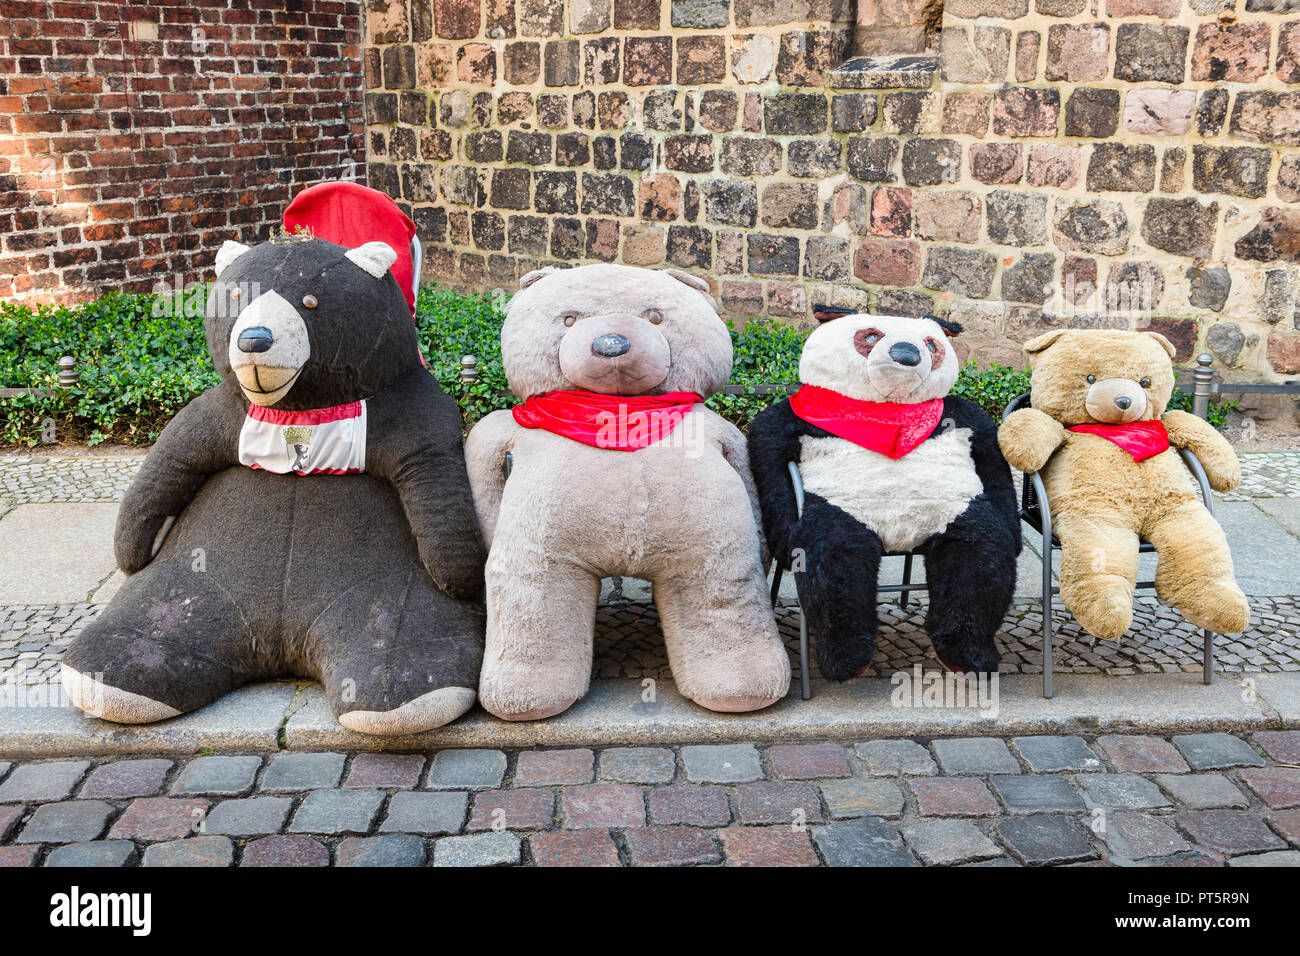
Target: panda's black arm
202,439
774,443
993,470
413,438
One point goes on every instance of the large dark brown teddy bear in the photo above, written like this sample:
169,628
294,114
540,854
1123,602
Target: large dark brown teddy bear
325,526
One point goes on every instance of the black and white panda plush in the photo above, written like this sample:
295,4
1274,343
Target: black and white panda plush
890,462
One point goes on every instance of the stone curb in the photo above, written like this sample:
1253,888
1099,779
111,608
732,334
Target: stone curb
270,717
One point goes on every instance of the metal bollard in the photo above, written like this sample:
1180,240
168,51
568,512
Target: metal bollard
1202,378
68,374
469,370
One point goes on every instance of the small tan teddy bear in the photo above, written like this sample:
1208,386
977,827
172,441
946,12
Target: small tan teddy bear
617,468
1107,449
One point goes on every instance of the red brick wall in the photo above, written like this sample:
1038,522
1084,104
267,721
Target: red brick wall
135,139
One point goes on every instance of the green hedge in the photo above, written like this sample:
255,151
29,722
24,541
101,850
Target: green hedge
143,357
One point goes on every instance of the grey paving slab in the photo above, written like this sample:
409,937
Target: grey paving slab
467,769
637,764
1038,793
1121,791
894,758
430,813
1276,858
251,816
219,775
247,720
975,755
337,811
72,821
946,842
862,797
1202,791
1140,836
55,553
101,853
1050,754
866,841
1046,838
1264,554
730,763
1285,511
1215,751
303,771
478,849
393,849
52,780
197,851
1279,694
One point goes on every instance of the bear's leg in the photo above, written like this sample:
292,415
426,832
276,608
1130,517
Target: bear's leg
1099,564
541,621
1194,569
397,656
970,570
837,586
170,642
723,644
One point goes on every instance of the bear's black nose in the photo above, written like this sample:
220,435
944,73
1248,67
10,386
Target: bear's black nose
905,353
1123,402
610,345
257,338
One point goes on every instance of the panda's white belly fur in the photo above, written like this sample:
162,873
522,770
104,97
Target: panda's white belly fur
903,500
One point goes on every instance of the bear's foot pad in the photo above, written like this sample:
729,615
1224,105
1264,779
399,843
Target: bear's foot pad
426,712
112,703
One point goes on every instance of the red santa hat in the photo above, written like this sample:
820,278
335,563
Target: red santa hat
351,215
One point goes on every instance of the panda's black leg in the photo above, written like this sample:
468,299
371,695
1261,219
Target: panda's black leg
836,560
971,572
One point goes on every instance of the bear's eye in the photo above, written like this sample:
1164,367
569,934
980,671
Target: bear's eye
873,338
570,319
235,293
655,316
309,301
1145,383
1092,379
929,344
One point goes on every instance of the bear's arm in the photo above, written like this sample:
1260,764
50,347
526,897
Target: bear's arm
735,453
202,439
413,440
992,468
774,443
485,454
1222,467
1029,437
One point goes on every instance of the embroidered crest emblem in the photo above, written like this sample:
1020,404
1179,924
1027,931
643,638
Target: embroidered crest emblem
298,438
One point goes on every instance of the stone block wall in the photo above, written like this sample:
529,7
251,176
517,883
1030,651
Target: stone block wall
136,138
1083,162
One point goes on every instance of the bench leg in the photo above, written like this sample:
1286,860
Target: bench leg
805,685
1209,657
1048,690
907,579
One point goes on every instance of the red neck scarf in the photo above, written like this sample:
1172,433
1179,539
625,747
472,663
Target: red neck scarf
621,422
890,428
1142,440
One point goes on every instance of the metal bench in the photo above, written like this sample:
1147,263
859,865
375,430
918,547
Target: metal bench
903,590
1036,513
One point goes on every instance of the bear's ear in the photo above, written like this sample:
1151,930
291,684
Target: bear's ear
950,328
530,277
228,253
375,257
1038,344
695,282
1164,343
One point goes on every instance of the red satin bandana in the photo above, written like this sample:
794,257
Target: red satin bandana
890,428
620,422
1142,440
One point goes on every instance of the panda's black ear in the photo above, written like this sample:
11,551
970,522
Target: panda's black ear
950,328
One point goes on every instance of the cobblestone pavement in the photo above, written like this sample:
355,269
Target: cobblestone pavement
629,642
28,479
1192,800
